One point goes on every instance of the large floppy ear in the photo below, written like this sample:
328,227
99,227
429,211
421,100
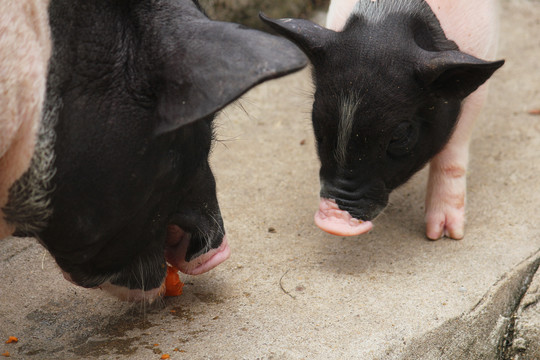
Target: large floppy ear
454,73
205,65
310,37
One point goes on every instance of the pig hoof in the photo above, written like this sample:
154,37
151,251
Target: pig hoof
445,201
447,222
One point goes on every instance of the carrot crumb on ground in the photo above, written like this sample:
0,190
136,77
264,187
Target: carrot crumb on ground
12,339
165,356
6,354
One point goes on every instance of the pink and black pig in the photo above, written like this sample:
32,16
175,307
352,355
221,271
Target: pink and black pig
120,183
398,83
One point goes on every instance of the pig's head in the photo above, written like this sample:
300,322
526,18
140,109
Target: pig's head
120,181
388,94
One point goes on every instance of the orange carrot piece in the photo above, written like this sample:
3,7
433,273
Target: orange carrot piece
173,285
12,339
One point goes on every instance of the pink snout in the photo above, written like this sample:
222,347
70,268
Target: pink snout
177,246
333,220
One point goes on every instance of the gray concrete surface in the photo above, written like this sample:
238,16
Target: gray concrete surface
246,11
290,291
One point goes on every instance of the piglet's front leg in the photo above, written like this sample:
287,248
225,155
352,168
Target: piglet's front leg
445,198
446,191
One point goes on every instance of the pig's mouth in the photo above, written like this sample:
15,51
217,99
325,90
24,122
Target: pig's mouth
333,220
180,252
184,250
185,247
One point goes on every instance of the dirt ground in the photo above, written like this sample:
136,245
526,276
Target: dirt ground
290,291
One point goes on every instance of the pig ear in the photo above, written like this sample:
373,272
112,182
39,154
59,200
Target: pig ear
455,74
216,64
309,36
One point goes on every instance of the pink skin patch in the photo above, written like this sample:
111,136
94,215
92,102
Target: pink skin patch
333,220
177,245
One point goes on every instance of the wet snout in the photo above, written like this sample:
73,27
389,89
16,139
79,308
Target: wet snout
196,244
333,220
346,208
208,253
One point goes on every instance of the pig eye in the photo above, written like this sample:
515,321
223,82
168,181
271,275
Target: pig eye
403,139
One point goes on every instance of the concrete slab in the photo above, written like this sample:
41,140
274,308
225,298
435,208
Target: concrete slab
523,339
290,291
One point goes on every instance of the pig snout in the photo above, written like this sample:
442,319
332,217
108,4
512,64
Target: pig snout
183,251
333,220
347,205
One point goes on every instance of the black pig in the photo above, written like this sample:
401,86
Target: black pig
389,90
120,181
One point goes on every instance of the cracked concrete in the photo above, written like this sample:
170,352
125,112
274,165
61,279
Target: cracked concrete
290,291
524,342
483,332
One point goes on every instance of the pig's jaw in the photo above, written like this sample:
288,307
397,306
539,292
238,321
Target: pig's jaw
333,220
125,294
133,295
198,265
176,249
175,254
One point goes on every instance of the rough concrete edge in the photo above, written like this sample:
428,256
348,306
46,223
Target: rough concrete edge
486,331
523,341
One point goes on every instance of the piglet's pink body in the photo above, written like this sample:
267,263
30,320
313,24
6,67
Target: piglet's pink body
25,47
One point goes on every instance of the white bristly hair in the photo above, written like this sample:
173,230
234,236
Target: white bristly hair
377,10
28,206
347,108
